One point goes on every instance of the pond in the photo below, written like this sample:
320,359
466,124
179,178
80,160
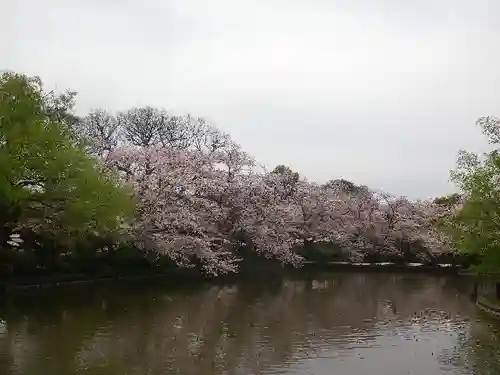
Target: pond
340,323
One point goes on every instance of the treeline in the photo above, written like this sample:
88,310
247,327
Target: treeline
144,190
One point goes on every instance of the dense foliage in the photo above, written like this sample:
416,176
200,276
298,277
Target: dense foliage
203,201
200,200
52,194
475,223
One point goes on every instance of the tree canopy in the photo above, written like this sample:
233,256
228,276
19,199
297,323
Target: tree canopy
179,188
47,182
475,224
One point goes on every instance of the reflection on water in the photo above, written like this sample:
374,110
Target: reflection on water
351,324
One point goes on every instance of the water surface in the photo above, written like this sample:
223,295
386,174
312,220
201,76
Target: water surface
347,324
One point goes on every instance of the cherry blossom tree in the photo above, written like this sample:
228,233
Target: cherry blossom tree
317,213
173,219
202,197
193,206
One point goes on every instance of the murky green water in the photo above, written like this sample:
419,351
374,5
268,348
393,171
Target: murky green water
346,324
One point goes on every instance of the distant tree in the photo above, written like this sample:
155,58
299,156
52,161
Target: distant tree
342,186
287,180
448,200
142,126
179,132
101,132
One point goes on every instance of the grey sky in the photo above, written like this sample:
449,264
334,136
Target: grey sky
380,92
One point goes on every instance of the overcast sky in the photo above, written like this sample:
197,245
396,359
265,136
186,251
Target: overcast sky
380,92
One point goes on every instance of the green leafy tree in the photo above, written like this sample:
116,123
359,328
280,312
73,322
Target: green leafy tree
48,184
476,225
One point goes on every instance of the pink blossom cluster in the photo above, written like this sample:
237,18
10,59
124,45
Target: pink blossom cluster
202,199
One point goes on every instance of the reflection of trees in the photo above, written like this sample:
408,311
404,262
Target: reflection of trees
212,328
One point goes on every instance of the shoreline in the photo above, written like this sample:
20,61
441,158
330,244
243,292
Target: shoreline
488,307
188,276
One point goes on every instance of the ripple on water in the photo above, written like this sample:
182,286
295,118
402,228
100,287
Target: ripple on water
348,324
